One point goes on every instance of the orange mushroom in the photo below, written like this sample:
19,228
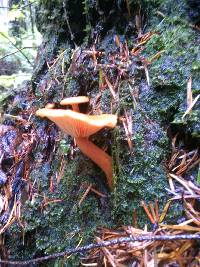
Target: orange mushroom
78,124
81,126
74,102
96,154
50,105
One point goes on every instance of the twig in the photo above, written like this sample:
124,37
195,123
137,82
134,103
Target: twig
138,238
12,53
19,50
68,25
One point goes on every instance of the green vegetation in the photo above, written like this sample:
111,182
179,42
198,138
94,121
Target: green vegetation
19,41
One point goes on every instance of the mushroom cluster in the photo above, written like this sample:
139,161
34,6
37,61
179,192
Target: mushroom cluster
81,126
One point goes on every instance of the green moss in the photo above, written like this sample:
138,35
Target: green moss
178,43
141,175
177,54
57,226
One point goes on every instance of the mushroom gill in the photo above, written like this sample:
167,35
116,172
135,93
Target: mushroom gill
78,124
74,102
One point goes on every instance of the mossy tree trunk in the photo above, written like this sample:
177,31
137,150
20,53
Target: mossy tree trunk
98,49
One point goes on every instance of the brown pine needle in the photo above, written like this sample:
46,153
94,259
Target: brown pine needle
171,183
181,181
61,170
85,195
156,210
134,218
147,212
11,219
153,211
94,55
110,86
47,202
164,212
157,55
97,192
190,161
107,254
189,92
181,227
89,264
191,106
127,123
147,74
117,40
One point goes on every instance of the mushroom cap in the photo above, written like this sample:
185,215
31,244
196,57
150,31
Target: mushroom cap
50,105
74,100
77,124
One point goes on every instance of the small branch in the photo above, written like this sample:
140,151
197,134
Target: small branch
18,50
2,34
68,25
121,240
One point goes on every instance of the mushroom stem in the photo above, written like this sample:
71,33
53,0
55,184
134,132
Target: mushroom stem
75,107
101,158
